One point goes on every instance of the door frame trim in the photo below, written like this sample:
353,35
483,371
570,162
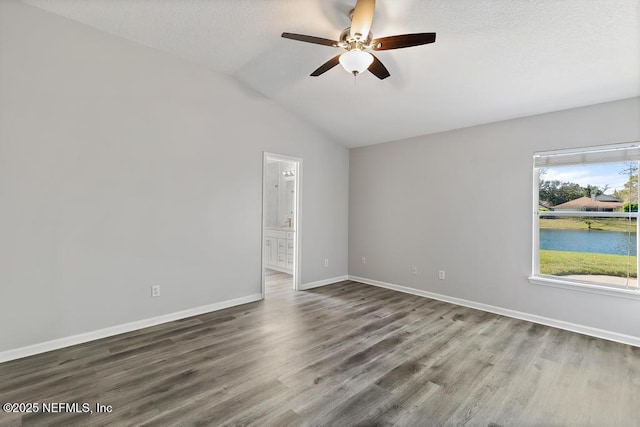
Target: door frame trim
296,218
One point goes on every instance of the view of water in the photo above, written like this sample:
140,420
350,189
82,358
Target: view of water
602,242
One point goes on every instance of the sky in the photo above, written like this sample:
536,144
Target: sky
598,175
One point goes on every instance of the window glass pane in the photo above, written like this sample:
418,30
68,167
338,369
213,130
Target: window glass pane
603,269
594,249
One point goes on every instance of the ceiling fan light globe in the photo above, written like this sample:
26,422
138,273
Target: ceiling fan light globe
356,61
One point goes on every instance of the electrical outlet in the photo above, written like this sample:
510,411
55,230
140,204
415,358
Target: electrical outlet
326,263
414,270
155,291
364,260
441,274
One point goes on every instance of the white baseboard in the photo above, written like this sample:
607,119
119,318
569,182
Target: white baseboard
560,324
31,350
325,282
44,347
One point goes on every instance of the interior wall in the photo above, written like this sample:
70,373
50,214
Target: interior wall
122,167
272,198
461,201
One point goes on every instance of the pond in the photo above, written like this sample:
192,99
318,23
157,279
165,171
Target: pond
602,242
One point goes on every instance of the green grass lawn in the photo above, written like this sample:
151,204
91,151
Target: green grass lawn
563,263
604,224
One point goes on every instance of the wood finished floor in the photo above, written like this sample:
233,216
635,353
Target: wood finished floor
345,354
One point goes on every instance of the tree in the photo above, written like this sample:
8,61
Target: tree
592,189
556,192
630,191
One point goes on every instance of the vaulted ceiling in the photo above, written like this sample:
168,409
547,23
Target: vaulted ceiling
493,60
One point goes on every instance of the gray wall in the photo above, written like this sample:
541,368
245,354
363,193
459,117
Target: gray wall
122,167
461,201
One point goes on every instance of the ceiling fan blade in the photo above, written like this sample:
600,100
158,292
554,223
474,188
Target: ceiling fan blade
403,40
327,66
362,18
310,39
378,69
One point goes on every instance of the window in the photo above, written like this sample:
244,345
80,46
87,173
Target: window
585,222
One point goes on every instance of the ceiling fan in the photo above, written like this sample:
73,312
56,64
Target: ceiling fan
357,40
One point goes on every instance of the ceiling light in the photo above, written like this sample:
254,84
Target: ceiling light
356,61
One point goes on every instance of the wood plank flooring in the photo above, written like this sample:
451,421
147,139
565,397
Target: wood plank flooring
344,354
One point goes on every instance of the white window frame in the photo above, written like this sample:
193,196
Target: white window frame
629,152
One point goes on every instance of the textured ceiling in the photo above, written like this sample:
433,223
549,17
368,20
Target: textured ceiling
493,59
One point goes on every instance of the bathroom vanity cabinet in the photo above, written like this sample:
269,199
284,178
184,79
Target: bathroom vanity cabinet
279,247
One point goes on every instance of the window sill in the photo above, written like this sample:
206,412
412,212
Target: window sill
584,287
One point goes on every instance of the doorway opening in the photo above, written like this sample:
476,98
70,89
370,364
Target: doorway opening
281,179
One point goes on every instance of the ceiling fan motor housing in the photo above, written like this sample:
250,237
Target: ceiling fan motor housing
357,42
